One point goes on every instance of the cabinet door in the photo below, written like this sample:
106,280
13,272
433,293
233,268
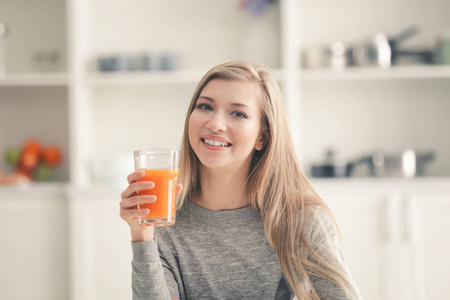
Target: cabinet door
359,217
435,259
33,251
101,248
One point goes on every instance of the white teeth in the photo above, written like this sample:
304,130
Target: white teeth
215,143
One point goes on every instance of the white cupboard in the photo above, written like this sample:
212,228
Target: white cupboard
34,244
100,257
394,235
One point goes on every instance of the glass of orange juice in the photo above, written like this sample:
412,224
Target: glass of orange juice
162,167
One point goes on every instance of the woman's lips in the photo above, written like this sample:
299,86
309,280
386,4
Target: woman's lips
213,144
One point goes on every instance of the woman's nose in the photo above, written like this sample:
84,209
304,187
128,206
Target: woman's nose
216,123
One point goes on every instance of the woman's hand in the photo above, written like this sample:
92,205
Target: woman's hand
128,206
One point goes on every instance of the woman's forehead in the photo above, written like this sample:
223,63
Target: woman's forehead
232,91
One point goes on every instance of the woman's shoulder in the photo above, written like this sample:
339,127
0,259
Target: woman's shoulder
319,225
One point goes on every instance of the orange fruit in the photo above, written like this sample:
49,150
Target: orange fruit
29,160
33,146
52,155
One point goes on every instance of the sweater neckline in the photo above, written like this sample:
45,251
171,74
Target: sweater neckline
221,215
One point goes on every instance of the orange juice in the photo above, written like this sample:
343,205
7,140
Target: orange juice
162,211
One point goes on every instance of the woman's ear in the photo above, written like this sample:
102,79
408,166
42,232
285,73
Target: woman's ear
261,143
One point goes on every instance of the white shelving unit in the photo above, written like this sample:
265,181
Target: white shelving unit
376,73
83,83
36,79
154,77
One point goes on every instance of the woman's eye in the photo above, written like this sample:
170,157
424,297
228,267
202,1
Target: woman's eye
239,114
204,106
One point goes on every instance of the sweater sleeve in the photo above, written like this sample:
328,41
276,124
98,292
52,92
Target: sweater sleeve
325,240
149,277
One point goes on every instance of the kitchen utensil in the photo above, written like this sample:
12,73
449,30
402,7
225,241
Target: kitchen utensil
407,164
331,168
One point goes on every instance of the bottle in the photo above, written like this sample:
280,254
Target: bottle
444,48
2,49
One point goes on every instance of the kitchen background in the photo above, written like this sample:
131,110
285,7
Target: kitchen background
366,85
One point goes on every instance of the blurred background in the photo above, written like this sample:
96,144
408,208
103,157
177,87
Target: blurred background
83,83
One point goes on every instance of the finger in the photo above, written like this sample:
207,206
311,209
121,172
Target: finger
130,214
137,200
179,189
137,187
135,176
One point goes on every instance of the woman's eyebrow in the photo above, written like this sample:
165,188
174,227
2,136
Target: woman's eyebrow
240,105
237,104
206,98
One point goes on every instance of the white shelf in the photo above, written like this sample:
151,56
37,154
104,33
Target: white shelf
194,76
375,73
34,79
152,77
33,189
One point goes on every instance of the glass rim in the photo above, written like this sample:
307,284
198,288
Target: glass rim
155,151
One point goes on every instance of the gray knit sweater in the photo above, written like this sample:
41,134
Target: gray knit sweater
225,255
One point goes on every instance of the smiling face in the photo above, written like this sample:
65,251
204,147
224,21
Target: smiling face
225,125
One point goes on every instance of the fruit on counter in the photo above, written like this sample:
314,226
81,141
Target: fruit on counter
24,172
15,179
32,161
29,160
32,146
43,173
12,156
30,154
52,155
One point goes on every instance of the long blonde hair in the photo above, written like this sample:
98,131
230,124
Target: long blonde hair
276,185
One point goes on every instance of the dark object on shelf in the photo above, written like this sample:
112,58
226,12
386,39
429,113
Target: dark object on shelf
407,164
386,51
115,63
423,56
127,63
330,169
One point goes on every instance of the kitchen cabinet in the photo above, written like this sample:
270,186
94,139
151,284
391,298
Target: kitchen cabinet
393,235
101,246
434,212
33,233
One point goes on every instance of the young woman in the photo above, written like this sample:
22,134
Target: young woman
249,224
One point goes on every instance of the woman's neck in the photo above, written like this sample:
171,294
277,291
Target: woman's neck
223,189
